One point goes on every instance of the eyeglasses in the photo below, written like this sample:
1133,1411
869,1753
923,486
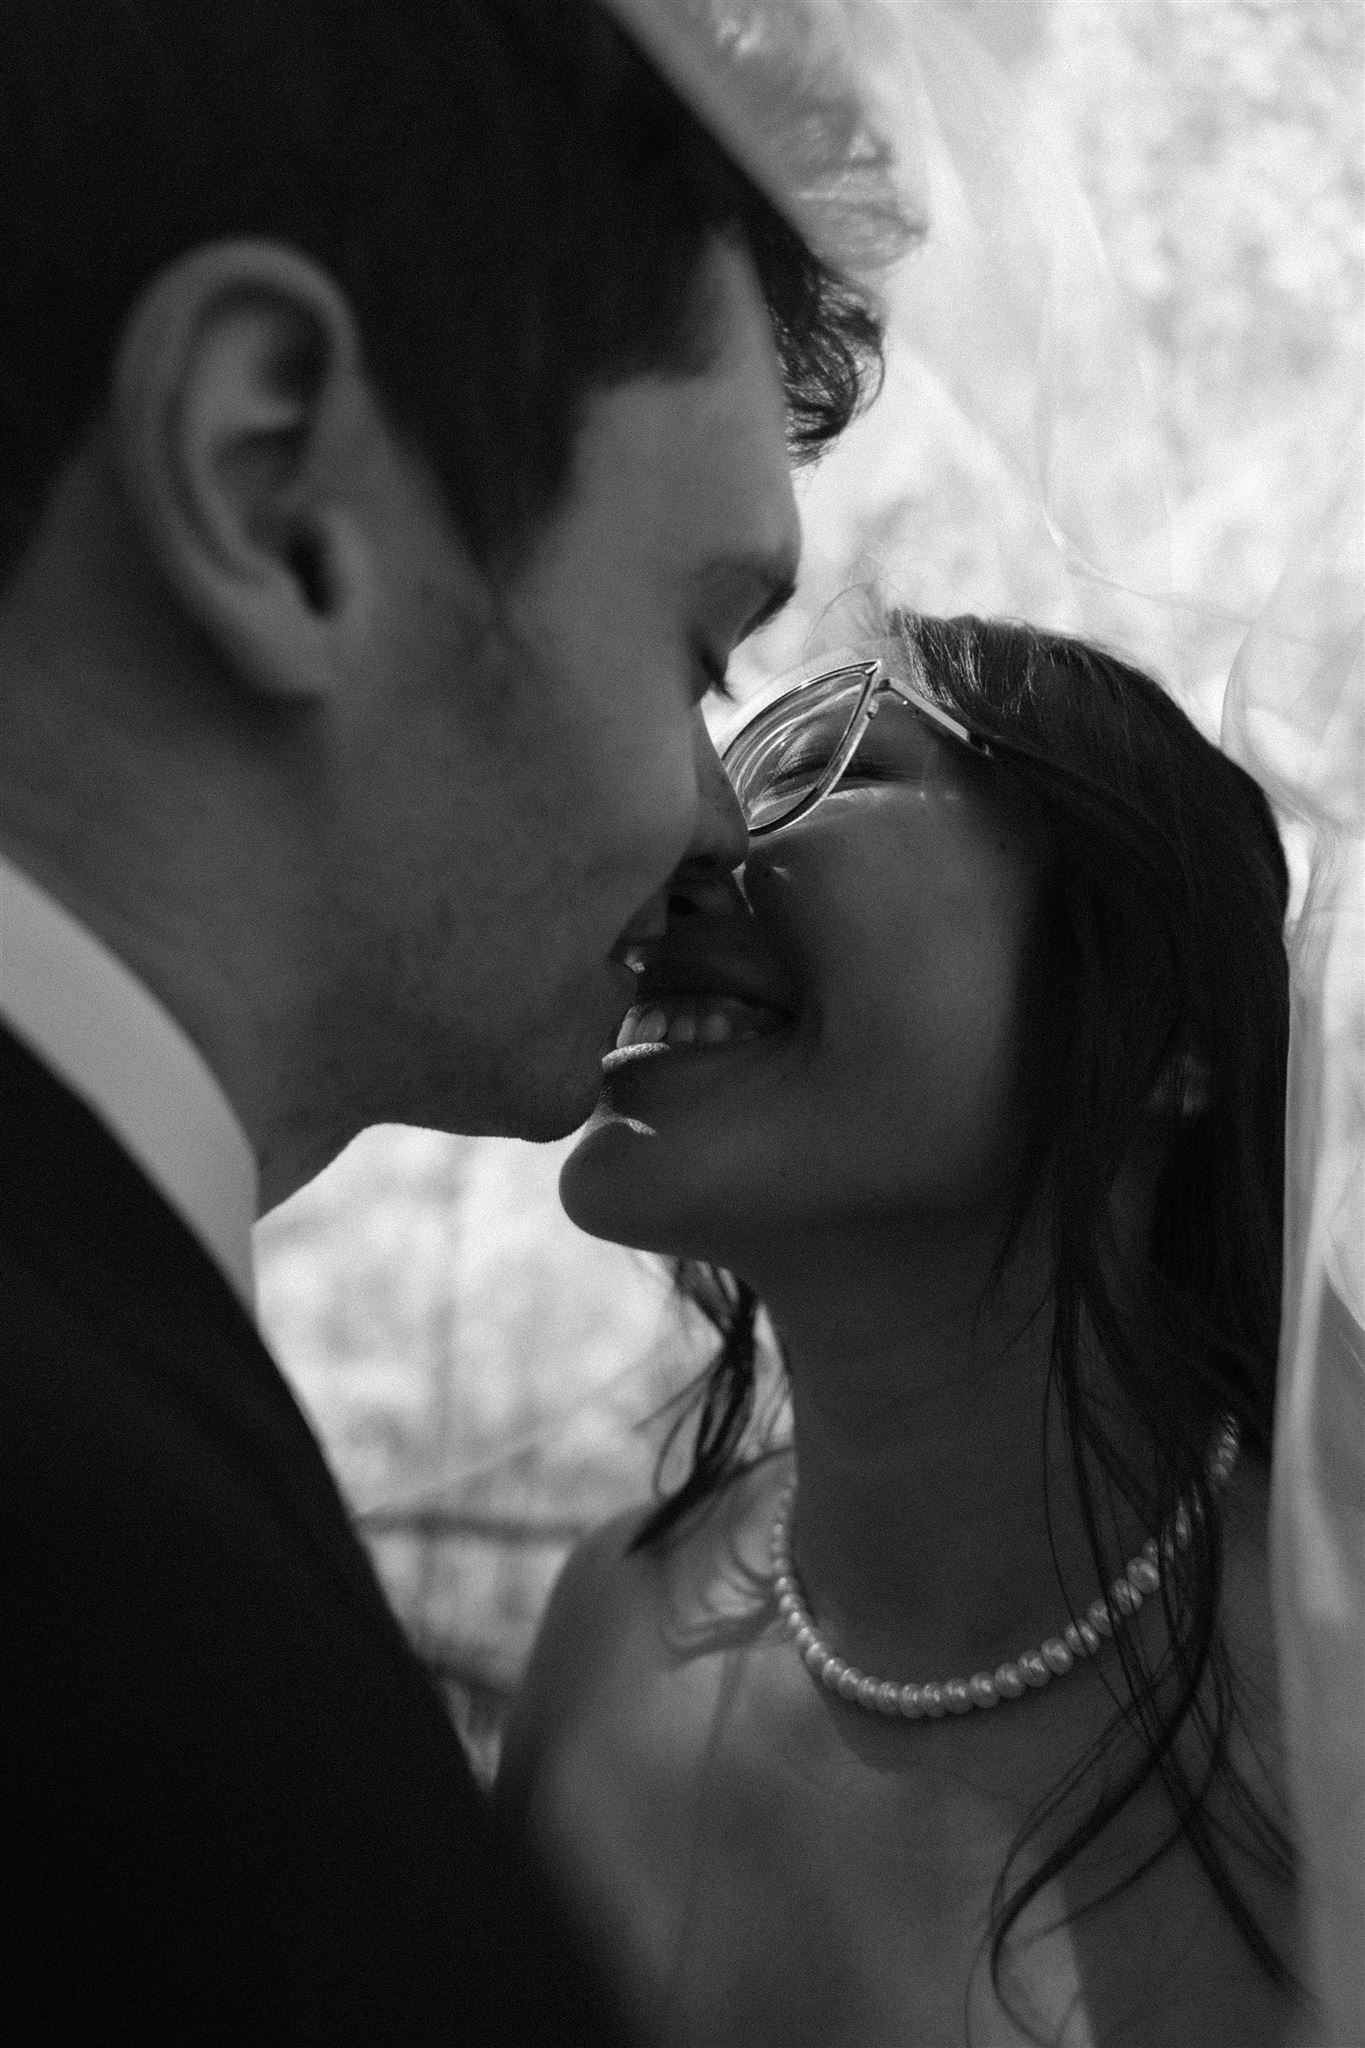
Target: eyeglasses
795,747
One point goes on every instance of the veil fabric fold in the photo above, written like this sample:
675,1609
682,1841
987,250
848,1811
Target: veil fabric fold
1295,717
801,92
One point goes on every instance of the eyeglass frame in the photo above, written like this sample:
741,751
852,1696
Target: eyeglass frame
879,682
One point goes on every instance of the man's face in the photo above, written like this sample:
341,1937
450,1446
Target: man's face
516,792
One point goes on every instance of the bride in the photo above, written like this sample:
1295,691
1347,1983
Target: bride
954,1718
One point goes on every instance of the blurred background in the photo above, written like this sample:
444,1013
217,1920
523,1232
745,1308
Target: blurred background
488,1382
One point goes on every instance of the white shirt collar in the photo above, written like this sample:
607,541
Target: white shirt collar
101,1032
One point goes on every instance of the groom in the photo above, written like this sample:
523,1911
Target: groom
393,447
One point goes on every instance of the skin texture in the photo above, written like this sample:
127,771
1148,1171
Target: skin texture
761,1864
369,825
788,1868
896,917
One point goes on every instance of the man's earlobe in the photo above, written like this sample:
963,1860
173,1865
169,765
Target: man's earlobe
245,433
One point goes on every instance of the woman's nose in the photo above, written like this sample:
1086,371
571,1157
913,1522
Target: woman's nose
701,887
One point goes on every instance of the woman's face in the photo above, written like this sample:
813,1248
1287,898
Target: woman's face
872,983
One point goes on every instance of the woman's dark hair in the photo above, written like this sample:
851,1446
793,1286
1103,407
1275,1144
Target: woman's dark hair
513,201
1159,991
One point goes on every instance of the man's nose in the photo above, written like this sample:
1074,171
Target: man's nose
721,838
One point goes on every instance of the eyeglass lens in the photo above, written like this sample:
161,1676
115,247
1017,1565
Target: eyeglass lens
777,762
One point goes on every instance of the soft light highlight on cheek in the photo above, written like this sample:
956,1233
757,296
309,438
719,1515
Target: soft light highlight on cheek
908,928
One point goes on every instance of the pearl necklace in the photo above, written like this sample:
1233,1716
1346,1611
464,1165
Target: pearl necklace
1052,1659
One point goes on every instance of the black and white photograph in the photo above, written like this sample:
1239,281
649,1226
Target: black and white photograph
682,1023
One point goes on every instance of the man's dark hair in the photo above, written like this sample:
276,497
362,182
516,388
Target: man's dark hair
512,200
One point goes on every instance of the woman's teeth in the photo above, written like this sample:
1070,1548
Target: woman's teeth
697,1021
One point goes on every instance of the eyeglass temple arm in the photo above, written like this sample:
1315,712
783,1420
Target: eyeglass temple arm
920,700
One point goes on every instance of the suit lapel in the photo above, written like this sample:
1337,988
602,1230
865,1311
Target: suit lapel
80,1216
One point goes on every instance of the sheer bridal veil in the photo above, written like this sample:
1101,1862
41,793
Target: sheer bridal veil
1009,340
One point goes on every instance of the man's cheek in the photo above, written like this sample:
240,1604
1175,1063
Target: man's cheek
653,827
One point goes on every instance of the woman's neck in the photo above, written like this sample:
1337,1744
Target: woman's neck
935,1505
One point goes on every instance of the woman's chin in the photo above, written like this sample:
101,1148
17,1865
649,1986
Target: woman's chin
612,1186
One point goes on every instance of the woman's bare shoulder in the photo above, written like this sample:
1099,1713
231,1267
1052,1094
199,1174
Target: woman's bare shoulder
585,1615
626,1617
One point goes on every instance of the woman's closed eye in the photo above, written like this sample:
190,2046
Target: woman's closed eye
799,772
871,765
891,753
798,769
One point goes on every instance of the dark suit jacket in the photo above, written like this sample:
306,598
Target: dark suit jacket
236,1809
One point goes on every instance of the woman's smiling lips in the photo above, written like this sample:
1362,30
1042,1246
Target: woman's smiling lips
692,1023
709,992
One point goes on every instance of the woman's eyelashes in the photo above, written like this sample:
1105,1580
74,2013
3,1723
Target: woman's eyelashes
878,761
795,775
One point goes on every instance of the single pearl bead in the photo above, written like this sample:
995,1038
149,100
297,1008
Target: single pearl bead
957,1697
1149,1551
1074,1640
805,1636
1009,1682
815,1655
868,1689
983,1689
832,1670
1099,1617
1089,1635
1143,1575
932,1697
888,1697
1032,1669
1125,1597
911,1702
1056,1656
847,1682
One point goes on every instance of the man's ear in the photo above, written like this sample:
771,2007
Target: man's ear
252,449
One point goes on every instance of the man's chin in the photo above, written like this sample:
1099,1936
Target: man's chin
538,1102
